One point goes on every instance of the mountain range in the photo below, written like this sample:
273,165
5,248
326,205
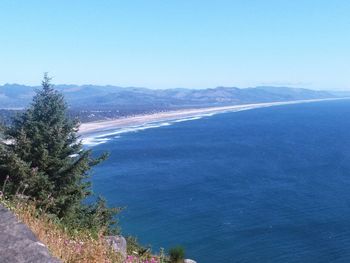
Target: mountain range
91,102
113,97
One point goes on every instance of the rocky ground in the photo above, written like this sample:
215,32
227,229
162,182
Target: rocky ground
18,244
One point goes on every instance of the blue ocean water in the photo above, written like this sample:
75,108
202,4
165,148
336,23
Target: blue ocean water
263,185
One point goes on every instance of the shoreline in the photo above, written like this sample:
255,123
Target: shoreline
100,126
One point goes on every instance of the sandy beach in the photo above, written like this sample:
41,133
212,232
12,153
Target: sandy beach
98,126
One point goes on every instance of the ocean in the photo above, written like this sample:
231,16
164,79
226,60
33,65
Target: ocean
262,185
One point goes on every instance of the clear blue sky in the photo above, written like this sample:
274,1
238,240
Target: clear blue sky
178,43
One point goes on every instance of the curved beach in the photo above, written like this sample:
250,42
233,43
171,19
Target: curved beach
98,126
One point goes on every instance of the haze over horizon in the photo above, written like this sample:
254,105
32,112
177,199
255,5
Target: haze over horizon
263,85
190,44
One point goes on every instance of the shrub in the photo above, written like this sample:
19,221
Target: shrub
177,254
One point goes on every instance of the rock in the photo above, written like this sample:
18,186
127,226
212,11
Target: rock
189,261
118,243
18,244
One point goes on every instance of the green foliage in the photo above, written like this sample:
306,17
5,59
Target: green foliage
142,252
177,254
95,217
134,247
47,162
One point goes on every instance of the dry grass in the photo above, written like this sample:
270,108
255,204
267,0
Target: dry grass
78,247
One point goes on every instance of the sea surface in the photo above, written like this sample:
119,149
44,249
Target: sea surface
262,185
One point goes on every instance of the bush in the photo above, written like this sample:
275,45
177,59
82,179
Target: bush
177,254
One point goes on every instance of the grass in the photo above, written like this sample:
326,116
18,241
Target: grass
67,245
73,246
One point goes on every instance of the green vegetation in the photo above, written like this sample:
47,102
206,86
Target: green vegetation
47,163
177,254
44,180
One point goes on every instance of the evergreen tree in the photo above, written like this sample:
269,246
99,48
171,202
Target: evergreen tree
48,162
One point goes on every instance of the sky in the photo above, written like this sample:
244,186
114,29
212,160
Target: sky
179,43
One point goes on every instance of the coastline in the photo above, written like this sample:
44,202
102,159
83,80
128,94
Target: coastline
100,126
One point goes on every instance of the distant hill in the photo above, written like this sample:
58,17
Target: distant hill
91,102
14,95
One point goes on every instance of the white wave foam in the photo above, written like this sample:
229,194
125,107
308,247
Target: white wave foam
98,139
137,128
94,141
188,119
